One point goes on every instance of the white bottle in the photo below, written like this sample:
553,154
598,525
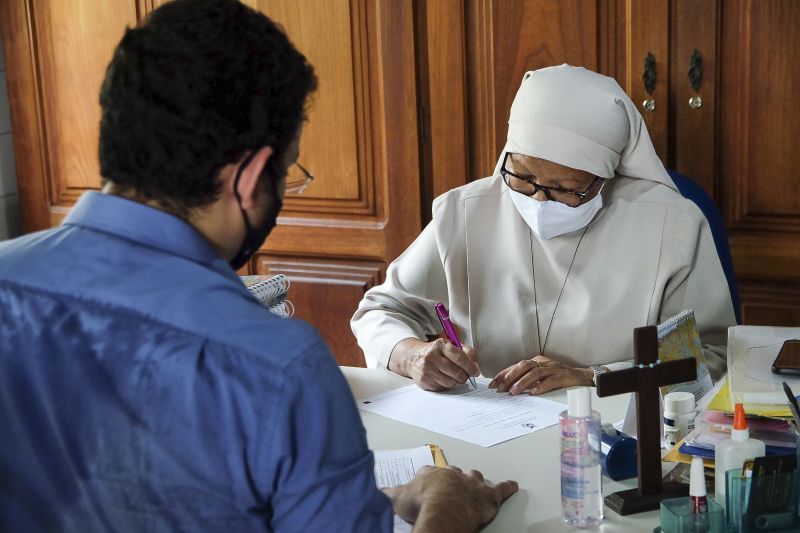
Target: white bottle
731,454
581,481
679,416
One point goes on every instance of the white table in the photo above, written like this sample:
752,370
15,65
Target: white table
532,460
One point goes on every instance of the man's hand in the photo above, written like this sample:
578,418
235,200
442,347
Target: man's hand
436,365
539,375
446,499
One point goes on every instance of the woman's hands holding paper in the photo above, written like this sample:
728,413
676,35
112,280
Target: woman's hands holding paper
539,375
446,499
436,365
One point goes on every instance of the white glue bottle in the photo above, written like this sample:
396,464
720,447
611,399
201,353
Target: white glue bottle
581,483
730,454
679,416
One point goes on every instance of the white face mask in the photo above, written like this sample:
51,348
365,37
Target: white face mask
550,219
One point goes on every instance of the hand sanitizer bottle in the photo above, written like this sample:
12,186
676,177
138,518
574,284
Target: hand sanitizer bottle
581,484
731,453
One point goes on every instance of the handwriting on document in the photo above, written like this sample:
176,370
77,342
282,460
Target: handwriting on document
483,416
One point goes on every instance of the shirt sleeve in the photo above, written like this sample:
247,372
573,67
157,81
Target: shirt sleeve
403,306
700,284
322,470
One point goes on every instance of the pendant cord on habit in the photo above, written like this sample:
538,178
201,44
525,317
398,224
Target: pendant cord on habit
558,300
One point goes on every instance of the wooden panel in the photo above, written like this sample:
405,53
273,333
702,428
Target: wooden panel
759,121
23,97
647,28
506,39
443,78
760,116
692,132
765,255
326,294
388,141
331,41
770,304
74,43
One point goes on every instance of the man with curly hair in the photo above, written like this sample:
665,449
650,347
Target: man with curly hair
144,388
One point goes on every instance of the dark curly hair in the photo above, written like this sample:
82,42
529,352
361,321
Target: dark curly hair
192,88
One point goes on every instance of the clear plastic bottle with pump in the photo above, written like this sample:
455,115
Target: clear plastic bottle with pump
581,483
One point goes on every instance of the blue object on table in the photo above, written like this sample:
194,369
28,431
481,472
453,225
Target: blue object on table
618,455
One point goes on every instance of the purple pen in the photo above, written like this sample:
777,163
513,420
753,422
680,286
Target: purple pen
450,331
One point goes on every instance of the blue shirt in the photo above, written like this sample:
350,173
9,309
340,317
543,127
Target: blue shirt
144,389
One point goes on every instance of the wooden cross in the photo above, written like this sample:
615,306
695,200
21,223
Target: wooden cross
645,378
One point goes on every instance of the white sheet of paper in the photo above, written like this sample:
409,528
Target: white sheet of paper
483,416
751,351
396,467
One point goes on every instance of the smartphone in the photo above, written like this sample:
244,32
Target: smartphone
788,360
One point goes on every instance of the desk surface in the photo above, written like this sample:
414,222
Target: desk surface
532,460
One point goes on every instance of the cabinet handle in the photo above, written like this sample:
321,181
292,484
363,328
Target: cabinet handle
649,80
695,75
696,70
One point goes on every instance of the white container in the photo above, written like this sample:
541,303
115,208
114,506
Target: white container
731,453
581,473
679,416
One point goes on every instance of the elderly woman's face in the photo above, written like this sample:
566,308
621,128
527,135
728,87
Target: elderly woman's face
553,175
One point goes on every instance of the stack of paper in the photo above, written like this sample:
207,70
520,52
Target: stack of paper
751,352
750,381
398,467
716,426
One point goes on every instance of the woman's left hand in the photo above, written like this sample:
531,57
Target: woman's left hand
539,375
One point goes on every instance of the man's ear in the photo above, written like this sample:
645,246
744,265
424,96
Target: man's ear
248,182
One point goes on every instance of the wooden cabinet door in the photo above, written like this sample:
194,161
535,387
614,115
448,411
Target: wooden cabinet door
738,139
360,142
56,56
758,162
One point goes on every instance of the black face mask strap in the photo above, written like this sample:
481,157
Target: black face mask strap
253,237
243,166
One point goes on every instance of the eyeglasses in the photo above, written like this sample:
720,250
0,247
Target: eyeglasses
298,186
527,185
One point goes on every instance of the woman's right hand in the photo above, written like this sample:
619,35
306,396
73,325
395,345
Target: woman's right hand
436,365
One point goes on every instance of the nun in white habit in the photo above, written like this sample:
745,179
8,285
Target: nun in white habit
547,266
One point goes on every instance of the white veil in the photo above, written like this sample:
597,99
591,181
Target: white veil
584,120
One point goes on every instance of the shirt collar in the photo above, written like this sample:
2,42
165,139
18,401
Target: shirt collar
145,225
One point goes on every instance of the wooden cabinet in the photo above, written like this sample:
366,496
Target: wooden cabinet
361,141
414,98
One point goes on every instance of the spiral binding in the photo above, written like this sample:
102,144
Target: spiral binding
271,293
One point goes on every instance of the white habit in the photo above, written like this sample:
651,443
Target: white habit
647,254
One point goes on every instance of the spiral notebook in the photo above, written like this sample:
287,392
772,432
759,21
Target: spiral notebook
271,292
677,339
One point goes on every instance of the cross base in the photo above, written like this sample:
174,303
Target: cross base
630,501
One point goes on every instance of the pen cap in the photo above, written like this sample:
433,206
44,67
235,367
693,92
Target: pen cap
579,402
697,480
